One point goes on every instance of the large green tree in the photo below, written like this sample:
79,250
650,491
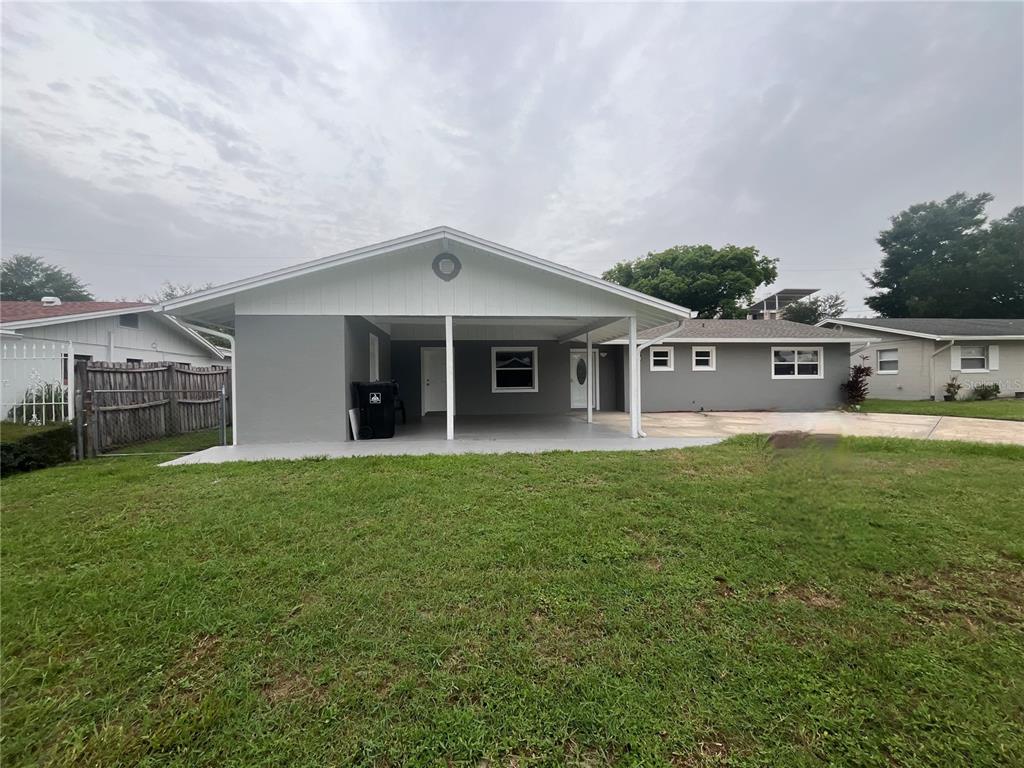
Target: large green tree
713,282
943,260
29,278
815,309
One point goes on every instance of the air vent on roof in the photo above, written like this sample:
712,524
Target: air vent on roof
51,301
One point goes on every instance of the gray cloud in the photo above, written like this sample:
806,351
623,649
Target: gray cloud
240,137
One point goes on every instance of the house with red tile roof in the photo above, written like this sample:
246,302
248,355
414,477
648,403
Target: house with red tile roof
109,331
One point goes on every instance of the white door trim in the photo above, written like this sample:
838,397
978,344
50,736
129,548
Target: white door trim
593,378
423,375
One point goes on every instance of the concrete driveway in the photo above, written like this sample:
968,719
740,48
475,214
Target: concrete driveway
727,423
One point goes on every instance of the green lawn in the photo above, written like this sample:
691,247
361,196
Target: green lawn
1003,408
859,604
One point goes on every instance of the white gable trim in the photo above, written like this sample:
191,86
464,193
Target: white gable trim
367,252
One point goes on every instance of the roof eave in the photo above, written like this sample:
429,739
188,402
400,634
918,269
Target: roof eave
759,340
365,252
58,319
921,335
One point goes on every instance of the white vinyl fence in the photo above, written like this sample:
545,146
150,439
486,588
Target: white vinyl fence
37,382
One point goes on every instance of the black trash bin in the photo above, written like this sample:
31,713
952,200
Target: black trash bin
376,403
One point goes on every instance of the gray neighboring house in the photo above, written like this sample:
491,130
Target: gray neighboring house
472,329
914,358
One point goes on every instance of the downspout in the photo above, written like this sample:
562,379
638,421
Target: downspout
640,373
931,368
234,372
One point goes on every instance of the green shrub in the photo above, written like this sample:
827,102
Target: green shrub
985,392
24,448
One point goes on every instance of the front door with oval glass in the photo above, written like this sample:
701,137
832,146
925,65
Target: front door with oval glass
580,378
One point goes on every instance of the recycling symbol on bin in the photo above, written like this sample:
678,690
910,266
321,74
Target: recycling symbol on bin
375,398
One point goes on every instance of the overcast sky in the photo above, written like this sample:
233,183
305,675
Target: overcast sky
207,142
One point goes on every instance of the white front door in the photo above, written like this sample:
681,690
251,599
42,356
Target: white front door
435,380
580,378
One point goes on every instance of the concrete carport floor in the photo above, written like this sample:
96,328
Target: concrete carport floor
728,423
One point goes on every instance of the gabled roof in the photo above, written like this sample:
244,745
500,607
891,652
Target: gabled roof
16,315
740,331
17,311
937,328
426,236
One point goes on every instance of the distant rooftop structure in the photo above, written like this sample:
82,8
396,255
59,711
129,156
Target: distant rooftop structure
771,306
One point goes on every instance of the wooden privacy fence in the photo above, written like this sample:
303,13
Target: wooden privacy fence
125,403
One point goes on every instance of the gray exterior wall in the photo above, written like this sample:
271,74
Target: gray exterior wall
742,381
1009,377
286,369
473,396
915,355
925,366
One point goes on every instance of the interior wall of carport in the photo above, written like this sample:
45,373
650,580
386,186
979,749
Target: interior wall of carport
473,395
357,353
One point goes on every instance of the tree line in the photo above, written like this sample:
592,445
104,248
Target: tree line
940,259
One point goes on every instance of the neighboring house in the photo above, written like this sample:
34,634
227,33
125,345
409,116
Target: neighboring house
110,331
470,327
771,306
914,358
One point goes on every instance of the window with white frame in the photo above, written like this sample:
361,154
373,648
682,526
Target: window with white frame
663,358
128,321
888,361
513,369
704,358
797,363
974,358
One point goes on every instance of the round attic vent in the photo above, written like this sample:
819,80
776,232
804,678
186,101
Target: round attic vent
446,266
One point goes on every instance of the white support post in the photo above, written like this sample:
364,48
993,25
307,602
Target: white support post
591,374
69,394
634,381
449,363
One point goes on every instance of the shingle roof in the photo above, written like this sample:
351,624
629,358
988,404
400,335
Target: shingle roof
942,326
743,329
18,311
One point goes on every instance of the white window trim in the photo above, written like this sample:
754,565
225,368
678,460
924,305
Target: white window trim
985,356
693,359
878,362
671,359
495,389
797,376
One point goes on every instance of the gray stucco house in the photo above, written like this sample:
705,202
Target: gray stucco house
474,329
913,358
